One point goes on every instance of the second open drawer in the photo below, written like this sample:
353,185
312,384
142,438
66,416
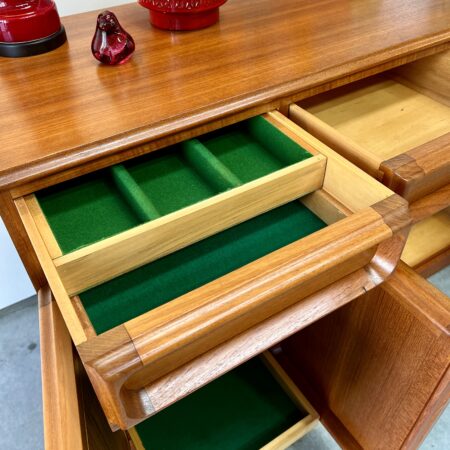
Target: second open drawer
395,126
255,406
159,309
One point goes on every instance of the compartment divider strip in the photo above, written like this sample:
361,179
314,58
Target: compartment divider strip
136,198
213,171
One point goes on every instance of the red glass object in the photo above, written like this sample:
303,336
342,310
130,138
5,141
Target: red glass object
184,15
29,27
111,44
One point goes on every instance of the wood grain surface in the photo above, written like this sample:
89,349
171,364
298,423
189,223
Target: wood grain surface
62,416
330,136
430,204
378,367
72,416
382,116
430,76
62,109
68,311
420,171
152,347
428,238
122,361
244,346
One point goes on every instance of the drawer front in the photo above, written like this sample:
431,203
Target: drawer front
396,126
130,359
72,417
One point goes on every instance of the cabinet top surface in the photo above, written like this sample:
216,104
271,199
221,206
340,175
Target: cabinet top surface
60,109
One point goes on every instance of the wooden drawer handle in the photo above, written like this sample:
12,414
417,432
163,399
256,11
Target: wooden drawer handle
420,171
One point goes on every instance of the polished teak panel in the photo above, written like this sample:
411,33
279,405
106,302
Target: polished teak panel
260,52
379,367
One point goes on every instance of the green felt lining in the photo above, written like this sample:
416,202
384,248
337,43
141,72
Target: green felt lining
209,167
165,279
133,194
253,149
275,142
83,211
243,410
97,206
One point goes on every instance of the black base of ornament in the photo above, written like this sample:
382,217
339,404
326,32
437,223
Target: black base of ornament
36,47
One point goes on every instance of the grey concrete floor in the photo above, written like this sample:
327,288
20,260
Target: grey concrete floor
20,378
20,385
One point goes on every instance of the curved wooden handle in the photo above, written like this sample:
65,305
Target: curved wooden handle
123,360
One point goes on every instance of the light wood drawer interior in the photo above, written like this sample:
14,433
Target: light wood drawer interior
396,125
382,115
428,239
225,248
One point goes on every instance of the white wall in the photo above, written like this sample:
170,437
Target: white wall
66,7
14,282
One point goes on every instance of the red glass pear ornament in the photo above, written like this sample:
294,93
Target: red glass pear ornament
111,44
29,27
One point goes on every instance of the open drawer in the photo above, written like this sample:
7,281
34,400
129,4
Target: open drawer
160,309
395,126
254,406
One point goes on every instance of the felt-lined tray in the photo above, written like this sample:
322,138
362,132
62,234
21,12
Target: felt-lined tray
163,300
181,195
172,276
254,406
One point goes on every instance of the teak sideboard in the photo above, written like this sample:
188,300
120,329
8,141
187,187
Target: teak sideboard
274,185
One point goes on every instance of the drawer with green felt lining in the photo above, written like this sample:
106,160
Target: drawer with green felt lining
118,219
160,260
254,406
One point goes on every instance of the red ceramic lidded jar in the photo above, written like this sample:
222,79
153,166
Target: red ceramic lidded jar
183,15
29,27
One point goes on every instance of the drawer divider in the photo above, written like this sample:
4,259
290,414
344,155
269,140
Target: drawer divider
111,257
214,172
132,193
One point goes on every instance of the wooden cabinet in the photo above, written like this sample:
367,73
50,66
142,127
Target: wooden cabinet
175,257
114,293
382,358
